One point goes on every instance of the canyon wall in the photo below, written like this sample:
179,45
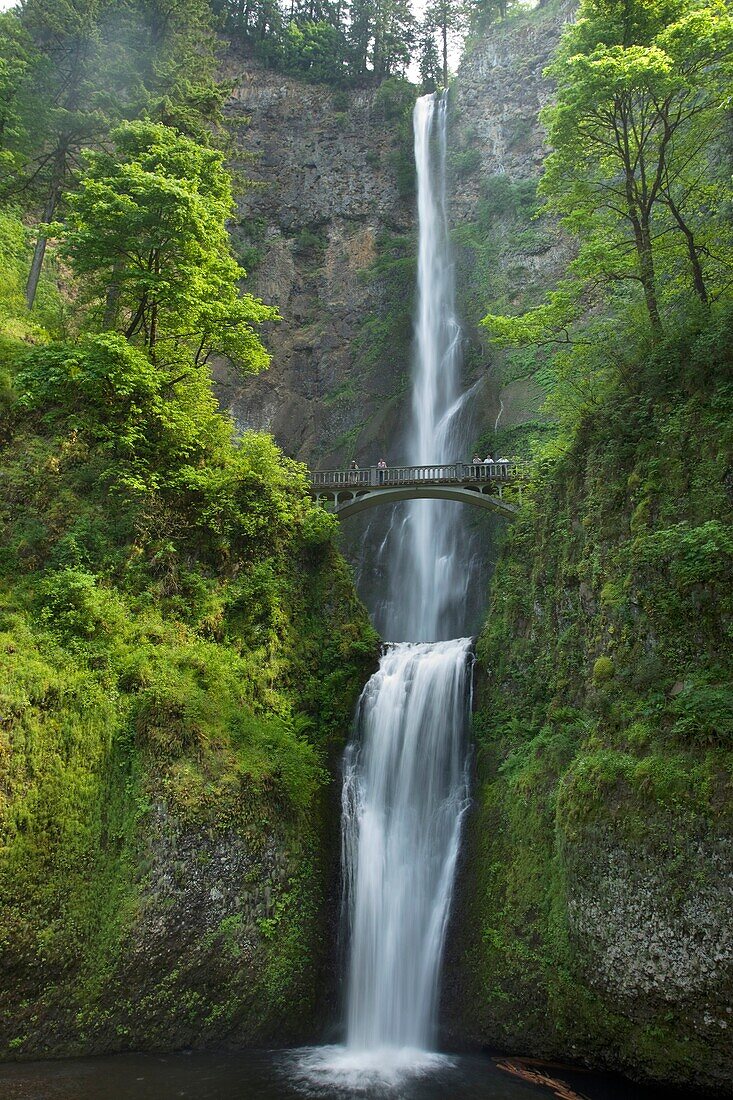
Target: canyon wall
327,232
328,212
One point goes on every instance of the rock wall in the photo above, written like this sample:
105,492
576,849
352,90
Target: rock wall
329,236
506,257
328,233
326,194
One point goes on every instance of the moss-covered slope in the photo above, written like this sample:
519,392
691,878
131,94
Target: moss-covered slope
597,891
181,648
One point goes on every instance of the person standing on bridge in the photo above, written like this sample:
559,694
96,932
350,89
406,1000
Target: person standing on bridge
353,467
488,461
381,466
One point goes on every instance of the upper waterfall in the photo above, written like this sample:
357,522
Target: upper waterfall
429,578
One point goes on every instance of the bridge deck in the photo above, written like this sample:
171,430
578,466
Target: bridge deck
479,484
452,473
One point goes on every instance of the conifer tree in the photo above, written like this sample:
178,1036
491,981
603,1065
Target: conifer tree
448,17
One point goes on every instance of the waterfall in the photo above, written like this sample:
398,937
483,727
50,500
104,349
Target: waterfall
404,796
429,578
405,789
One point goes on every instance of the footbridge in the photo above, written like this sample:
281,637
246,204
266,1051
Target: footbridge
482,484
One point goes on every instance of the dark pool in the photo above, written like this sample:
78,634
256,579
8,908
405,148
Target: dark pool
288,1075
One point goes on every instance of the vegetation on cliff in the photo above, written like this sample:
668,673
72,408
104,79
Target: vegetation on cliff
605,735
180,644
601,843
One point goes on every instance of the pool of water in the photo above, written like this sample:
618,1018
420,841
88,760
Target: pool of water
322,1073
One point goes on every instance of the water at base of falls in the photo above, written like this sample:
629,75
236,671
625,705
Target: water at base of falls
284,1075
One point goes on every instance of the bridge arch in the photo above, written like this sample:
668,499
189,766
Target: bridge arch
350,504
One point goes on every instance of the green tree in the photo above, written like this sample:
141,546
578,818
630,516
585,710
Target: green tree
71,69
57,108
449,19
316,50
636,134
428,59
381,36
147,237
641,87
166,56
482,13
17,60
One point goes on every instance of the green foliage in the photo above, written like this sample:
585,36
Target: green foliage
70,72
636,175
147,237
13,249
317,51
466,163
618,565
180,645
603,670
447,20
310,244
385,336
702,554
395,98
703,714
327,43
143,428
15,255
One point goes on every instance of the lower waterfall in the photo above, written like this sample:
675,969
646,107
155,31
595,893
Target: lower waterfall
404,798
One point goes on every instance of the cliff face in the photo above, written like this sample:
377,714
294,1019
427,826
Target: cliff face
328,234
325,207
506,257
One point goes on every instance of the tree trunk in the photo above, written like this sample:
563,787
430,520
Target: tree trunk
112,301
698,279
648,278
153,335
639,219
39,251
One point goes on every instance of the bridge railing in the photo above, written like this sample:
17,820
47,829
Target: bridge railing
451,472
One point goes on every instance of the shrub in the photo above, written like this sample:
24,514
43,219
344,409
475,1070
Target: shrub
394,97
698,554
603,670
72,604
704,713
318,527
